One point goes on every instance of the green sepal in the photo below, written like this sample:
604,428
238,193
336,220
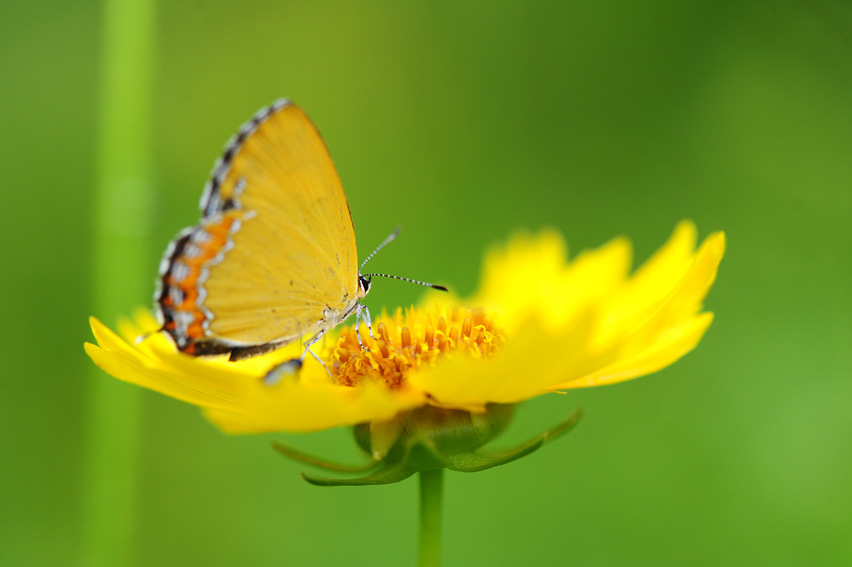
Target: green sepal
437,438
387,474
319,462
476,461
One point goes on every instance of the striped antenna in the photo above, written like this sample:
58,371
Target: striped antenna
384,243
418,282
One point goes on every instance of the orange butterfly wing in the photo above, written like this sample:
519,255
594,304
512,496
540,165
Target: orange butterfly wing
274,256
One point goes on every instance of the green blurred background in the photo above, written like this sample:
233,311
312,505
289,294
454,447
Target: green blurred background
462,123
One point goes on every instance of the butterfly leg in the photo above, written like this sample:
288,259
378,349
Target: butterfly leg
316,356
291,367
307,344
307,350
358,325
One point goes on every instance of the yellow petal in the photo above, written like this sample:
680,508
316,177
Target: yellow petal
531,276
646,290
205,386
669,347
296,405
635,327
530,363
695,285
588,281
673,330
234,395
512,275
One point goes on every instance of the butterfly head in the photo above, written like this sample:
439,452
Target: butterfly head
364,282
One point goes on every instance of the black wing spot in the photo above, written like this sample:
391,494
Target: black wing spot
241,353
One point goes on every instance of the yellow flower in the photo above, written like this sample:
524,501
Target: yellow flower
538,324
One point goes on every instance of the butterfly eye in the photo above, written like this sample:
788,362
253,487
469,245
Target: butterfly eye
365,282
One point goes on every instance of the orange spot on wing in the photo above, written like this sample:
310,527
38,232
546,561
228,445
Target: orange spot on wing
218,234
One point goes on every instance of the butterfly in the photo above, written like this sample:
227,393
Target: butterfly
273,258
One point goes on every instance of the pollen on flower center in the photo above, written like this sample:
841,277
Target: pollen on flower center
407,341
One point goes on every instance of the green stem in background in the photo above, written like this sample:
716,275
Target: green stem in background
122,271
431,496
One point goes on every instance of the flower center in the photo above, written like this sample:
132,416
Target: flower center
407,341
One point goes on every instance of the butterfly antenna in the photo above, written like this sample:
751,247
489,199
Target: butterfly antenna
418,282
384,243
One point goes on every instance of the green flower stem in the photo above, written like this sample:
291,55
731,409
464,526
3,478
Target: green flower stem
122,263
431,495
